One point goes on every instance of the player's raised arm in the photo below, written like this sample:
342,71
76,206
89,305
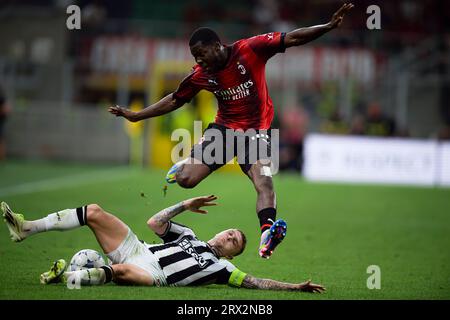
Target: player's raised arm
307,34
158,223
163,106
251,282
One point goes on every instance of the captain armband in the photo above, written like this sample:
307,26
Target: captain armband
236,278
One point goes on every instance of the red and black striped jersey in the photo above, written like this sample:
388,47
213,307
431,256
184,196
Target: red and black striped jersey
240,87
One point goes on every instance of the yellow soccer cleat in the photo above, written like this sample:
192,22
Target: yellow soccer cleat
55,275
14,222
171,174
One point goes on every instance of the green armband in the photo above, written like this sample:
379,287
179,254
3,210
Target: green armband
236,278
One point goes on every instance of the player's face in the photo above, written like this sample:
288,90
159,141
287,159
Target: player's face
209,57
229,242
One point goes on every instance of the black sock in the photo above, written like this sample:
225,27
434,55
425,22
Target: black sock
81,214
264,215
108,273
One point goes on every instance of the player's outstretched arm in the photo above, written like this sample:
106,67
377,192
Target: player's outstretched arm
163,106
158,223
305,35
251,282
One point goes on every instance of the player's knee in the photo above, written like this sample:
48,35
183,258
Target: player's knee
267,193
185,181
120,270
93,212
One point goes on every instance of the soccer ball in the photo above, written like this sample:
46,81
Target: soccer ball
85,259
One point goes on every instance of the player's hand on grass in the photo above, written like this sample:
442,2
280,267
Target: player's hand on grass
311,287
123,112
195,204
338,16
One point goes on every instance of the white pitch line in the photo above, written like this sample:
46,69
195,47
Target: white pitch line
66,181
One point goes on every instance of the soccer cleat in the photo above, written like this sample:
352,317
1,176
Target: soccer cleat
171,174
14,222
272,237
56,272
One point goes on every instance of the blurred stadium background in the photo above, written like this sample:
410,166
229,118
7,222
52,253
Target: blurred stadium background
356,105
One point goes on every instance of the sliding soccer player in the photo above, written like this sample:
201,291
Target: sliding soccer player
182,260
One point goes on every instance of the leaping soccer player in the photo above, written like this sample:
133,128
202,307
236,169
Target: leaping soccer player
236,75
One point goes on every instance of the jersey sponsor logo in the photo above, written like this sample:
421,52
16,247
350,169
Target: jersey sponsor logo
187,246
235,93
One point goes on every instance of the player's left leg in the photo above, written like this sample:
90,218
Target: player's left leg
54,275
254,158
262,180
124,274
93,276
272,231
129,274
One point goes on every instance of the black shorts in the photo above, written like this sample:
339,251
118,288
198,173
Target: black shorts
220,144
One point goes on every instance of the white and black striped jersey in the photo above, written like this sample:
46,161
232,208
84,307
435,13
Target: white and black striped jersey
188,261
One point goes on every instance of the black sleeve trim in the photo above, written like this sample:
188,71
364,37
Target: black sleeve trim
170,236
223,276
282,44
169,224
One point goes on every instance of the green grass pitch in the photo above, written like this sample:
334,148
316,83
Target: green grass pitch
334,232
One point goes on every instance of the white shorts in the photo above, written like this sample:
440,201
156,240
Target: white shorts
134,252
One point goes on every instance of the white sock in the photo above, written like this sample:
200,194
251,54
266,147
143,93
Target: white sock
87,277
61,220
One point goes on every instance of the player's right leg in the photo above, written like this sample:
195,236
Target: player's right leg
20,229
206,156
14,222
109,230
189,173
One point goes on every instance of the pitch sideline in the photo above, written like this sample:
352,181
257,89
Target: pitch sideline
66,181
